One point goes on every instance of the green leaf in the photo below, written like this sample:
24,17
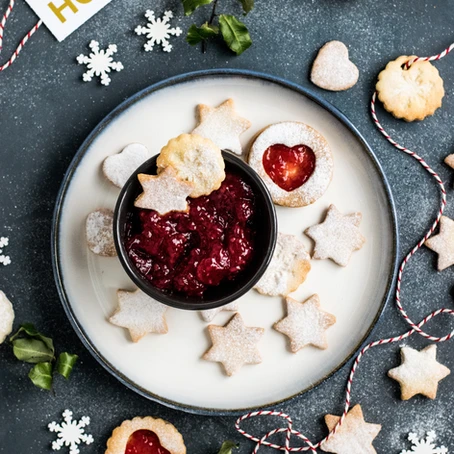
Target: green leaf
191,5
227,447
41,375
197,34
30,331
32,351
247,5
65,364
235,33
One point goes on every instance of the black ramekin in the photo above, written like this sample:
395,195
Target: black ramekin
225,292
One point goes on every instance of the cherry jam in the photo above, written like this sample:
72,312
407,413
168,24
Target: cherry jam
144,442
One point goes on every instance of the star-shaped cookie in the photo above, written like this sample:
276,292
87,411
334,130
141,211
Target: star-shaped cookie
234,345
209,314
443,243
337,236
449,160
140,314
354,436
222,125
419,372
305,323
163,192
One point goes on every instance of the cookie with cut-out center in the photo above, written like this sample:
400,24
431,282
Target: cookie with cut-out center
164,192
6,317
332,69
99,232
196,160
288,268
119,167
410,93
140,314
146,435
222,125
337,237
234,345
419,372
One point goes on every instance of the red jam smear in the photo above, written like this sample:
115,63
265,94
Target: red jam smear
289,167
191,252
144,442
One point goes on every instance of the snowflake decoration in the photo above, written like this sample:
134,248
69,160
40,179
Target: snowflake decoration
99,63
70,433
421,446
158,31
4,259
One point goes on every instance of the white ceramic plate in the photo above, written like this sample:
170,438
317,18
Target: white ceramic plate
168,368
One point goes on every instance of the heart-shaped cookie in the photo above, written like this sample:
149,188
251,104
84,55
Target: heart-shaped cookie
144,442
332,70
119,167
289,167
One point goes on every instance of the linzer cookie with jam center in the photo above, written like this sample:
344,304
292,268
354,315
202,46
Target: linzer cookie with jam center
294,161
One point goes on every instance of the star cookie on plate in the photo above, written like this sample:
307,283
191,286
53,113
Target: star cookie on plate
140,314
354,436
288,268
99,232
164,192
234,345
209,314
337,236
305,323
419,372
222,125
443,243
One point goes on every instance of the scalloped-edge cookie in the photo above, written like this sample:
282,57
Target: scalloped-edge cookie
294,161
146,430
413,93
99,232
196,160
6,317
119,167
288,268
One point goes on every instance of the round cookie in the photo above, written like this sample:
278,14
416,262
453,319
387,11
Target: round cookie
196,160
294,161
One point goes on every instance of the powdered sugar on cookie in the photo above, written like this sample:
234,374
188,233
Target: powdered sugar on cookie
288,268
99,232
6,317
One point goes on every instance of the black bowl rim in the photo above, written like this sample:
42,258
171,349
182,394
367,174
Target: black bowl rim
188,77
155,293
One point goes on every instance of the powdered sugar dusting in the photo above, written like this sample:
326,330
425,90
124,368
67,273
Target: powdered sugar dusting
99,232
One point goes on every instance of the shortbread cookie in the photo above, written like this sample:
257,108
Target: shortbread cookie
419,372
99,232
140,314
119,167
197,160
337,237
305,323
449,160
146,435
164,192
222,125
6,317
443,243
413,93
209,314
294,161
234,345
288,268
354,436
332,69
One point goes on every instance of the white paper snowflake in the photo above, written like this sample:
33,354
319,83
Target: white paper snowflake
70,433
421,446
158,31
4,259
99,63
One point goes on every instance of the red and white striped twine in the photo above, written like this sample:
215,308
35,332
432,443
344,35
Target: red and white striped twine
23,41
415,328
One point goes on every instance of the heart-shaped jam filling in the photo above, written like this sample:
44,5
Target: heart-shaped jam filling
289,167
144,442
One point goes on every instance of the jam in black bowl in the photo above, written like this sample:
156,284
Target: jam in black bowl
206,257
